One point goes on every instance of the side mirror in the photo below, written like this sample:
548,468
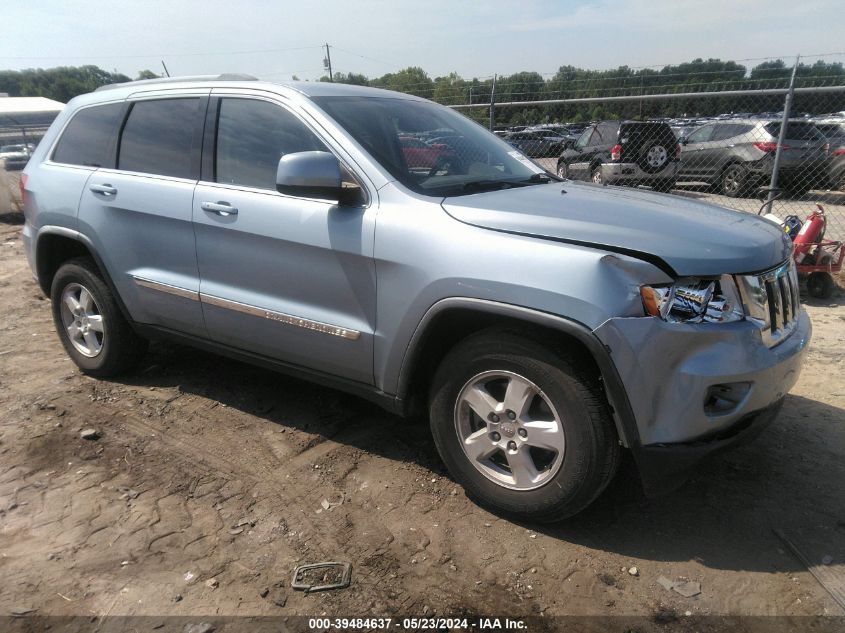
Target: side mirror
310,175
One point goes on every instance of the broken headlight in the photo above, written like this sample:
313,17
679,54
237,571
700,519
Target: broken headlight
694,300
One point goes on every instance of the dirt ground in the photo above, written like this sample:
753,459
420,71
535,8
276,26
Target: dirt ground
210,470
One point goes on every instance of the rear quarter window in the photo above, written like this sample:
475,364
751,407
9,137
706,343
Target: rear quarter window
796,131
87,139
832,130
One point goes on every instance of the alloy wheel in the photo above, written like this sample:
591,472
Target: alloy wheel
82,320
732,180
509,430
656,156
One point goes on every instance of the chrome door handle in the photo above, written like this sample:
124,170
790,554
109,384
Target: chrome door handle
106,190
220,208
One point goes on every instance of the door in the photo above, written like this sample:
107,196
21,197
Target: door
579,167
696,153
139,213
288,278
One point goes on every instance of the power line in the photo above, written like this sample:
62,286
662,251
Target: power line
199,54
372,59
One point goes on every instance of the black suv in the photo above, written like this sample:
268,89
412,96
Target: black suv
624,153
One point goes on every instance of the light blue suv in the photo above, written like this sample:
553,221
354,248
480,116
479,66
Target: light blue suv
544,326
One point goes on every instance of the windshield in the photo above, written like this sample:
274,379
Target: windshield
429,148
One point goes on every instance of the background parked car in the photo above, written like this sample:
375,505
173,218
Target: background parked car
623,152
536,144
835,135
423,155
737,155
16,156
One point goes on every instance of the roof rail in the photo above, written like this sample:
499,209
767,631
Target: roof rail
165,80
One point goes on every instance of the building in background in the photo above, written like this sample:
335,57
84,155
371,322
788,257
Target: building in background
23,122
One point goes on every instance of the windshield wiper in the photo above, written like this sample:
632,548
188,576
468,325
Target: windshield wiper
488,185
540,177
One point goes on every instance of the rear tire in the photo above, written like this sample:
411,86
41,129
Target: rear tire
556,452
89,322
734,181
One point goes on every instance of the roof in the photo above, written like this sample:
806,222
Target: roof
331,89
18,105
307,88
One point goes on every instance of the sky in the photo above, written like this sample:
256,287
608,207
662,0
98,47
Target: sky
275,39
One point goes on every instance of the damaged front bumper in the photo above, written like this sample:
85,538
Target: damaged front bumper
697,388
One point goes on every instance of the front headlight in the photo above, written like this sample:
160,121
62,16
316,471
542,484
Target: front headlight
694,300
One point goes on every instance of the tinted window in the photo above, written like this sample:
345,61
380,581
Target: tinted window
725,131
702,134
251,138
584,139
832,130
157,137
87,137
607,133
796,131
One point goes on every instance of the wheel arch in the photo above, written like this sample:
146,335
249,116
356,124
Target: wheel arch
451,320
55,245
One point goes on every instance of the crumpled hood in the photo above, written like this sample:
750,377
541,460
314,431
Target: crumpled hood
692,238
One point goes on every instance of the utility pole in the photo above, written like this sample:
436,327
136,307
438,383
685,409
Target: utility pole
327,62
166,72
493,103
784,122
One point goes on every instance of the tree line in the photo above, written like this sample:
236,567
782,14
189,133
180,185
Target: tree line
569,82
62,83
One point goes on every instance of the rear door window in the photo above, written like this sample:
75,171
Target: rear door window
725,131
157,137
87,139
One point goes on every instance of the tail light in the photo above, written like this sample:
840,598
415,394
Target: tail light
839,151
769,146
678,151
22,184
616,152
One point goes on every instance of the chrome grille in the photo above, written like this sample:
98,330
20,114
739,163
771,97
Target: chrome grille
771,300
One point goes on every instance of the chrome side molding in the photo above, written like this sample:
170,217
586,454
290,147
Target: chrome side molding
166,288
280,317
287,319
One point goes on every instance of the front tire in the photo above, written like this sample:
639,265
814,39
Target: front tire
524,428
561,170
90,325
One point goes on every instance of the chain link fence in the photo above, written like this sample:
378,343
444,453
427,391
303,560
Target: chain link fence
720,146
